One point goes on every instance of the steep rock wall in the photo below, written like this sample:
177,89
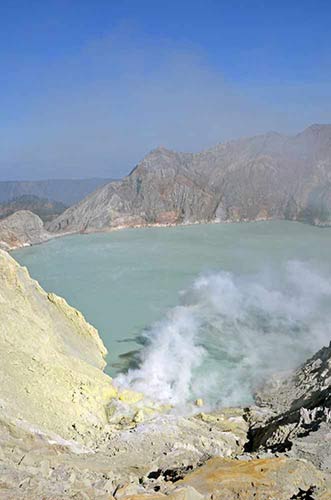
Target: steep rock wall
51,359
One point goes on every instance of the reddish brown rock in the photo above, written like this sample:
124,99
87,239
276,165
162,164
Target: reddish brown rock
259,479
263,177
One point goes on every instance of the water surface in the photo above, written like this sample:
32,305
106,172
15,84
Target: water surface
212,309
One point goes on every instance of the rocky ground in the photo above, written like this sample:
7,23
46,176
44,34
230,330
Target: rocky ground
67,432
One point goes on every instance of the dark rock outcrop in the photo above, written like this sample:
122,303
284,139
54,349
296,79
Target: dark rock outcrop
263,177
296,413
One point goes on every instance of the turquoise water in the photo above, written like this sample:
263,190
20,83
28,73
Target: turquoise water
198,311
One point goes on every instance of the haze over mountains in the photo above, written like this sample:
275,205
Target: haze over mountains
25,206
67,191
46,209
255,178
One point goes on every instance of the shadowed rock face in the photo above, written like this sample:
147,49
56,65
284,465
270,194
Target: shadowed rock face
262,177
297,416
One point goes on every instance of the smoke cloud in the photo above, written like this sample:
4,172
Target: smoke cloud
230,333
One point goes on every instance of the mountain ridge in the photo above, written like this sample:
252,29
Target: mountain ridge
268,176
67,191
43,207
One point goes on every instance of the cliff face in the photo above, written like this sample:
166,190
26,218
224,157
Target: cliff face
298,412
23,228
267,176
51,359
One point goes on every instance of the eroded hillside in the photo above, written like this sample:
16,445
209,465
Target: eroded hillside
258,178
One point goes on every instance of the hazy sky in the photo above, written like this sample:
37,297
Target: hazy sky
88,87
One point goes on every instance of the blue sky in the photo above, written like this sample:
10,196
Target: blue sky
87,88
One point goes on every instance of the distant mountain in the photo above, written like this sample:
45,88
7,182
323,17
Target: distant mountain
46,209
270,176
67,191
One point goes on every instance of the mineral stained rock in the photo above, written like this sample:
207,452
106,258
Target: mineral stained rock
257,178
57,430
51,359
278,478
67,432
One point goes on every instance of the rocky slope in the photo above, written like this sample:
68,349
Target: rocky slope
58,406
23,228
67,432
298,412
51,359
262,177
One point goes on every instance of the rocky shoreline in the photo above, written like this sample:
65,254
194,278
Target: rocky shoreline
23,228
265,177
12,237
67,432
